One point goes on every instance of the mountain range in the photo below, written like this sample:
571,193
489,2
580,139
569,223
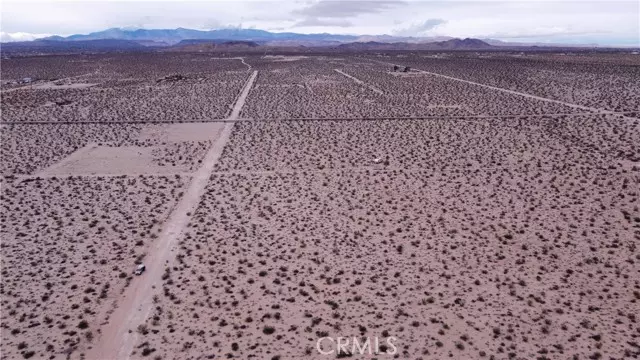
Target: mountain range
168,37
182,39
451,44
165,37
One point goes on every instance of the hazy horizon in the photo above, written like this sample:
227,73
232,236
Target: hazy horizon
565,22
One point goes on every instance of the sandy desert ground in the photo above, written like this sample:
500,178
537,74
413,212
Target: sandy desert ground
478,206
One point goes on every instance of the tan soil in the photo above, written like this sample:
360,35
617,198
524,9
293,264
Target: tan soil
457,214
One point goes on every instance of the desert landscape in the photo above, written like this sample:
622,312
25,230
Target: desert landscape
467,205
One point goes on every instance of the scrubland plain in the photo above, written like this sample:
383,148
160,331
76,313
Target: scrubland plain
479,205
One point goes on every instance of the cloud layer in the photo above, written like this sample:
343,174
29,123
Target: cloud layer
420,29
605,22
316,22
20,36
346,9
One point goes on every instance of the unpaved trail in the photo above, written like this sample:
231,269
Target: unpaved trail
37,85
233,58
370,87
242,60
119,335
50,83
115,341
235,113
391,169
53,86
100,175
575,106
627,114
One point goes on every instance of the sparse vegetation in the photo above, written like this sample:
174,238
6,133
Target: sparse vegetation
501,235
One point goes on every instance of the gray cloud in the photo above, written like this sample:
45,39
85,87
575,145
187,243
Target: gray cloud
540,20
420,28
348,8
314,21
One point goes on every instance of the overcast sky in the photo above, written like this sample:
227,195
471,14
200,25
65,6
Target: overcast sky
569,21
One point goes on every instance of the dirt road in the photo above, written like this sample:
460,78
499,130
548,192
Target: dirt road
575,106
233,58
372,88
237,108
119,336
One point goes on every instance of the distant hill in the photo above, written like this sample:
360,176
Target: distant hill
216,42
182,39
174,36
54,46
212,45
452,44
50,46
512,44
168,37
